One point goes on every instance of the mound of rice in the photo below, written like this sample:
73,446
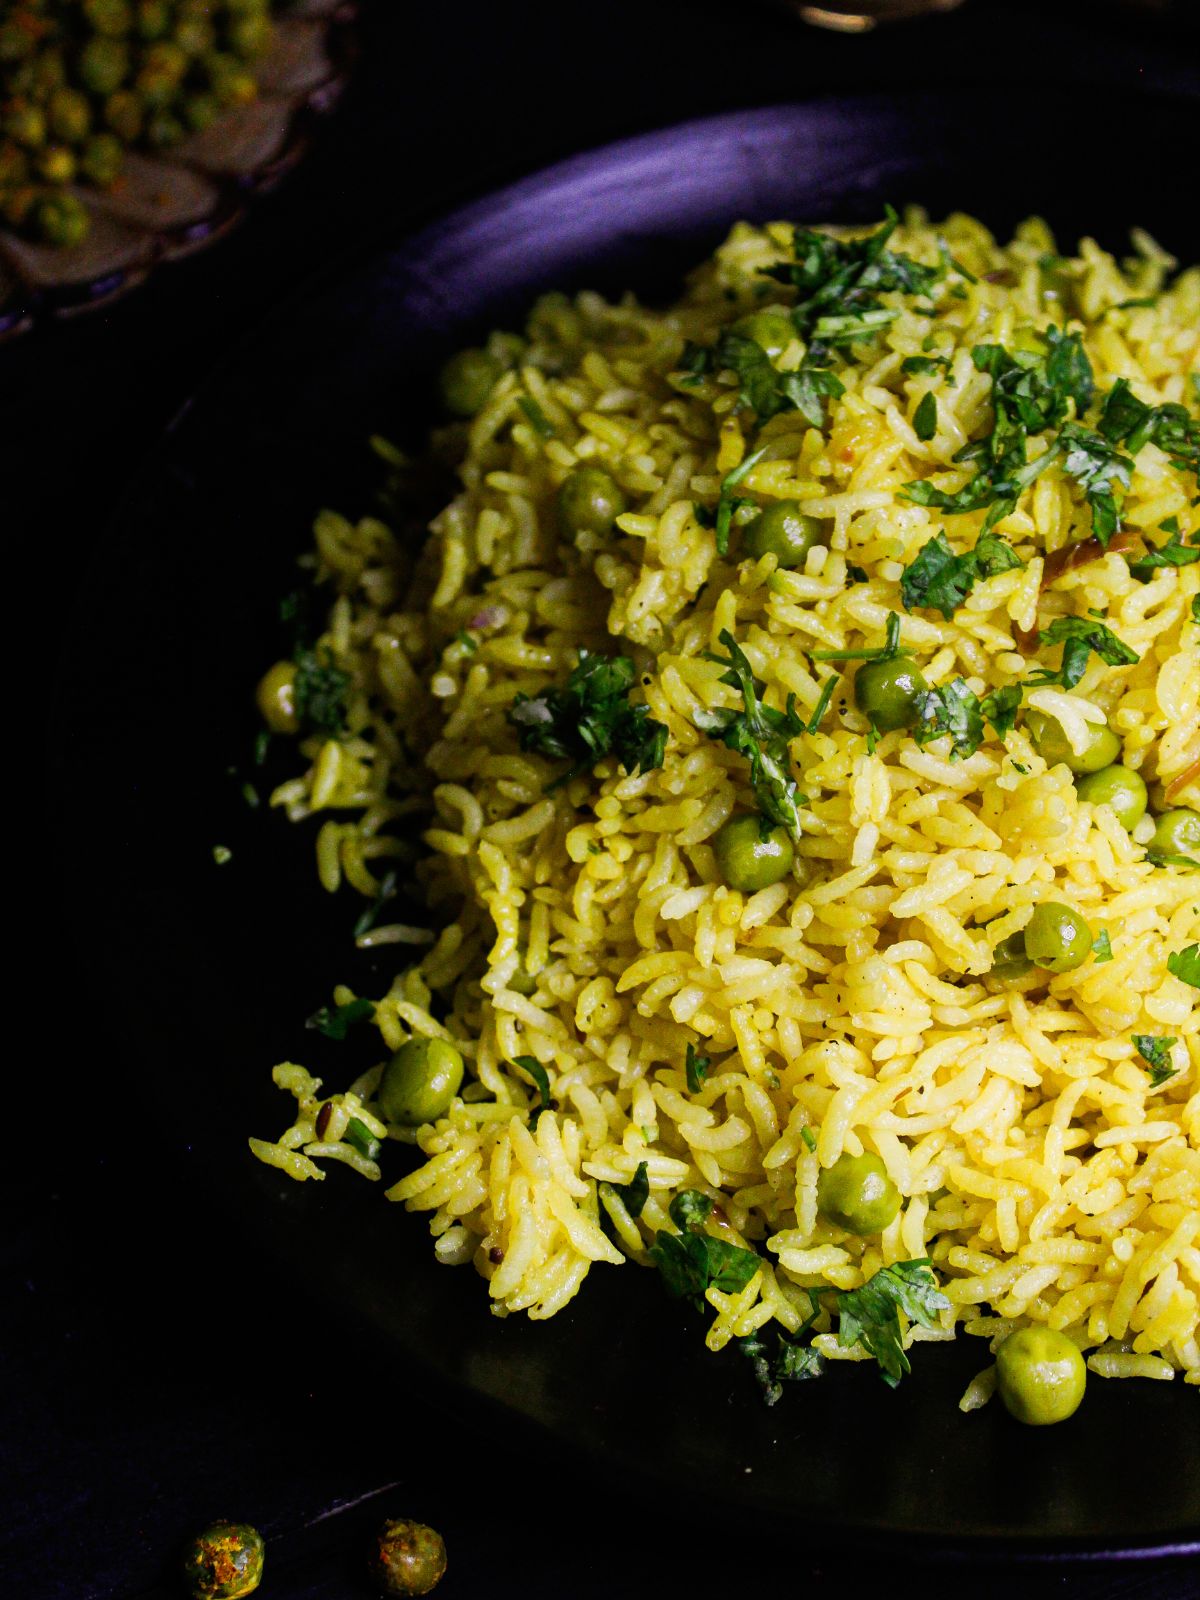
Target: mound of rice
849,1007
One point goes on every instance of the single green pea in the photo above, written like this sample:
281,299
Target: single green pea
589,501
276,698
783,531
103,65
1051,743
466,381
1057,938
771,330
123,114
56,164
857,1194
1119,788
420,1081
1041,1376
225,1562
750,854
102,159
27,125
153,19
887,692
113,18
1176,833
62,221
1009,959
70,115
409,1558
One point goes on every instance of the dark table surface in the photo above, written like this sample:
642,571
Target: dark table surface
134,1410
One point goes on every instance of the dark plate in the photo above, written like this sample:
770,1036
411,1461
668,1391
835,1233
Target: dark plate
210,970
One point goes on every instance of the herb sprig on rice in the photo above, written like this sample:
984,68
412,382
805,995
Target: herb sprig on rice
861,1007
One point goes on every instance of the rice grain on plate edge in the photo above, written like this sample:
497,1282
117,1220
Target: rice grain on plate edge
1048,1164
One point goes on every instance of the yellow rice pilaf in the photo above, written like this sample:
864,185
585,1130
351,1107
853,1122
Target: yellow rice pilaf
1043,1172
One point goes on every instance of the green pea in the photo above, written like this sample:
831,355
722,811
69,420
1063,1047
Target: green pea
225,1562
752,855
409,1558
887,692
70,115
1119,788
1176,833
589,501
102,159
123,114
1041,1376
857,1194
1009,959
276,698
1051,743
56,164
420,1081
103,65
783,531
772,331
466,381
1056,937
62,221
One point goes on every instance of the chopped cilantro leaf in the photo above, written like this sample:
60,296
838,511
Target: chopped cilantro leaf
538,420
336,1023
940,580
791,1362
925,418
869,1316
364,1141
636,1192
810,1139
320,693
1079,638
537,1072
923,364
696,1066
884,652
1102,946
1185,964
368,918
691,1260
1099,469
822,706
591,718
1127,420
1172,554
1155,1051
762,736
952,709
728,503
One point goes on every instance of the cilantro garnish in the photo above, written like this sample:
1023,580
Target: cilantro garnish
696,1067
914,365
691,1260
364,1141
1172,554
1155,1051
537,1072
761,735
925,418
884,652
1079,638
869,1316
1129,421
956,710
1102,947
320,693
839,281
940,580
636,1192
590,718
537,418
336,1023
767,391
1098,468
729,503
370,915
790,1362
1185,964
822,705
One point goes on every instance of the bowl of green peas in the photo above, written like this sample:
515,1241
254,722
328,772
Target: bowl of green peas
131,131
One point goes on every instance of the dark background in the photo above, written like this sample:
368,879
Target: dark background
155,1376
